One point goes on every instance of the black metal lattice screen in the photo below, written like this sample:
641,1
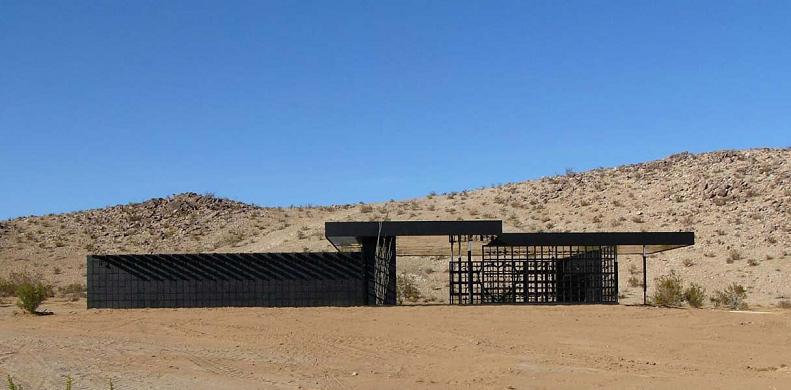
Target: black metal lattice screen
536,274
215,279
379,256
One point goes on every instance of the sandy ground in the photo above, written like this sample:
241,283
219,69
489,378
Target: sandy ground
437,347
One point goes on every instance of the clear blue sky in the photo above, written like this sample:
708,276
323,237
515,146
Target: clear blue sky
299,102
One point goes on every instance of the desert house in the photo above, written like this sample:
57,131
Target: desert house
486,266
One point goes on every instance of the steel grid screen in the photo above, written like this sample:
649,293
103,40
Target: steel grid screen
536,275
215,280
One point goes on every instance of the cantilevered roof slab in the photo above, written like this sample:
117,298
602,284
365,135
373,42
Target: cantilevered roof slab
627,242
345,236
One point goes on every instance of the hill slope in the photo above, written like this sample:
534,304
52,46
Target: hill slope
737,202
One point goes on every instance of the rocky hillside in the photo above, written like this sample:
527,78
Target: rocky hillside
737,202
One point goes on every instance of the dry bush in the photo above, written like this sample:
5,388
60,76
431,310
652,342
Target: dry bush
784,304
753,262
302,234
406,289
638,219
10,284
634,281
11,385
365,209
688,262
229,238
73,291
695,294
30,295
688,220
734,255
731,297
669,290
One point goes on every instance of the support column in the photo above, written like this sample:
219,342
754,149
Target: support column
451,280
645,279
469,269
379,273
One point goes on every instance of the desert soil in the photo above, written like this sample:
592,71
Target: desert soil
436,347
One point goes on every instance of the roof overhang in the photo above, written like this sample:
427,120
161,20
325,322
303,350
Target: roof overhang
430,238
347,236
627,242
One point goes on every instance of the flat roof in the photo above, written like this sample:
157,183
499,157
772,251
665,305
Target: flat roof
413,228
627,242
346,236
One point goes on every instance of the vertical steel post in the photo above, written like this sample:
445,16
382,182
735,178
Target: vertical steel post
469,268
645,279
452,283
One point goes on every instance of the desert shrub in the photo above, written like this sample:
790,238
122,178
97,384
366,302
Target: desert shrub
10,284
669,290
634,281
230,238
784,304
753,262
688,262
406,289
69,382
12,385
30,295
731,297
73,291
734,255
695,294
688,220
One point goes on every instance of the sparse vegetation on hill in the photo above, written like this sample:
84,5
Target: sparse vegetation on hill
732,297
737,202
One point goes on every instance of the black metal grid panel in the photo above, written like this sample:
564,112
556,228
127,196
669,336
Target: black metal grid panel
212,280
380,270
536,274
